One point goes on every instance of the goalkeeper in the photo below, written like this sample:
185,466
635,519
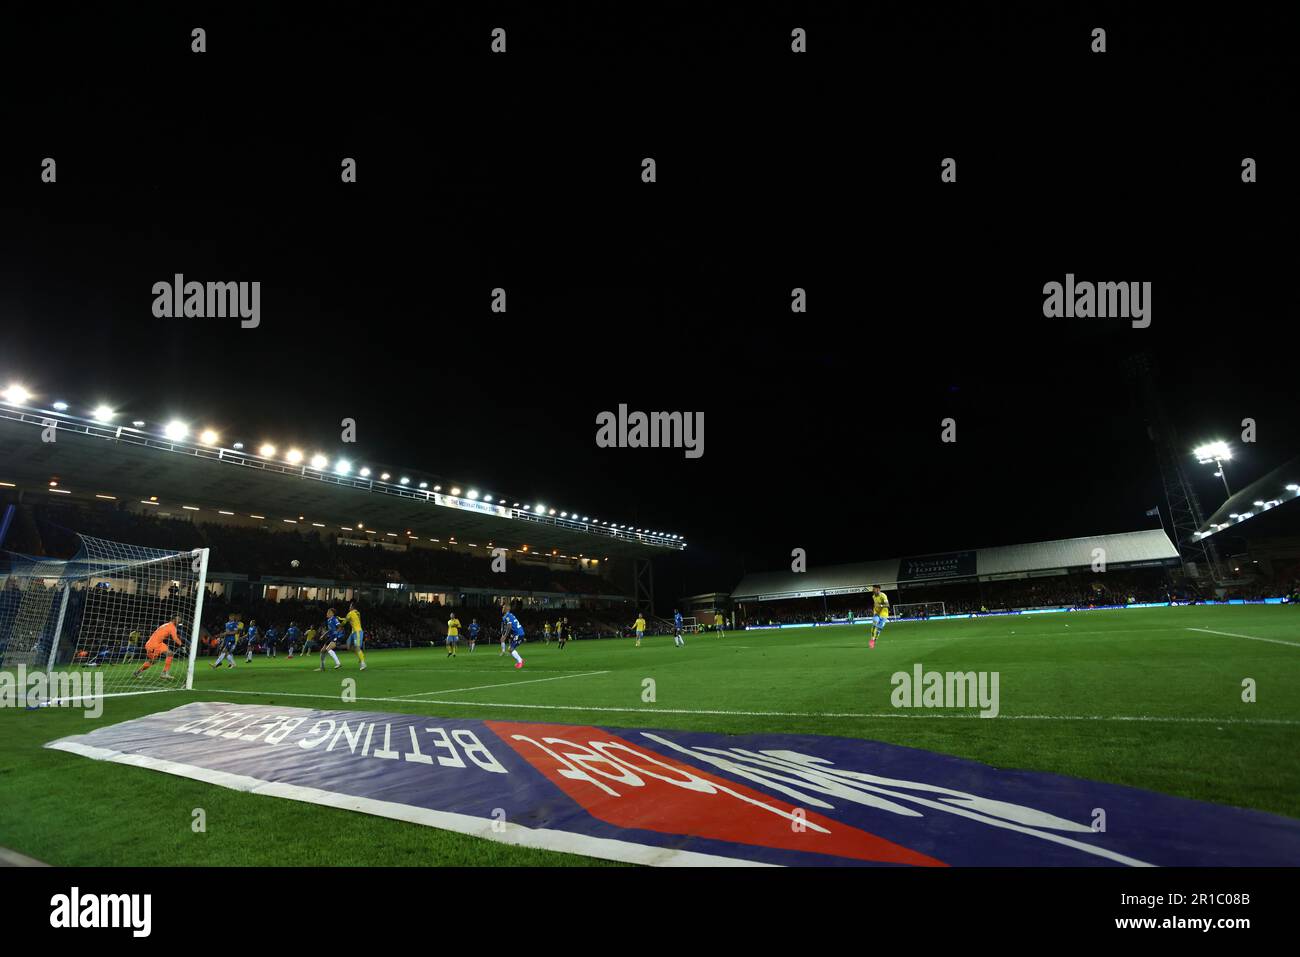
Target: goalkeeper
159,645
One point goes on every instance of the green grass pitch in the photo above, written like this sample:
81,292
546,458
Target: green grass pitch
1137,697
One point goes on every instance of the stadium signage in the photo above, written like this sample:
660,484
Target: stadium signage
682,797
944,565
651,430
470,505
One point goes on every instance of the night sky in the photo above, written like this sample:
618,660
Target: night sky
774,171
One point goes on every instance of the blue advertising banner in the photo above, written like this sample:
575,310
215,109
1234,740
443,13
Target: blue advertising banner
686,797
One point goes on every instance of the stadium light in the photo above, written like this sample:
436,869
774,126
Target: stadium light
208,437
365,473
437,488
487,498
237,445
139,424
319,461
1293,487
102,413
267,450
176,430
404,480
551,512
342,466
564,515
472,494
294,456
455,490
60,407
424,485
1218,453
385,477
16,394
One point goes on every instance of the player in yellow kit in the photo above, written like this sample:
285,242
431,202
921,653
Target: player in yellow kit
357,637
453,635
880,608
639,627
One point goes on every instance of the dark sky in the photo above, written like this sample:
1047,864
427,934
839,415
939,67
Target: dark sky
821,431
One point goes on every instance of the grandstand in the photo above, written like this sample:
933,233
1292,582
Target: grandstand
1099,569
285,536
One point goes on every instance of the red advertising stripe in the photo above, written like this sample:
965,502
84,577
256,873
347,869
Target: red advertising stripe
632,786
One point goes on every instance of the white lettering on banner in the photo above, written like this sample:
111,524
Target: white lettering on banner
470,505
573,769
794,774
455,749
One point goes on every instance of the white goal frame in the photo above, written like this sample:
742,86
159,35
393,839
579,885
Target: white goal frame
44,612
897,611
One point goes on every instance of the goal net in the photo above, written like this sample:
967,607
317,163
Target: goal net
920,609
93,615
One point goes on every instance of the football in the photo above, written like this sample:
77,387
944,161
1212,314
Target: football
294,563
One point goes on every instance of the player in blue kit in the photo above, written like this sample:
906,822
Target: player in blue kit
272,638
473,633
334,634
250,638
511,628
229,639
678,640
291,636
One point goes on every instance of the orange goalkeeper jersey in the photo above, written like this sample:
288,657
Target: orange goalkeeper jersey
159,638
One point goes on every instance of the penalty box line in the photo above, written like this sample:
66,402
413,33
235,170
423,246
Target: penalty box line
510,684
780,714
1230,634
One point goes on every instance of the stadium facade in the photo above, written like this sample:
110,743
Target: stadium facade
1148,548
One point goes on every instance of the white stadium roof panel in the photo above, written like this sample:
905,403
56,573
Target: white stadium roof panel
1149,546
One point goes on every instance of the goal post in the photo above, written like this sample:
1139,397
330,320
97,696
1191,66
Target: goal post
197,627
919,609
91,616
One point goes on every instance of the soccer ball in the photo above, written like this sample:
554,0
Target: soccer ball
294,563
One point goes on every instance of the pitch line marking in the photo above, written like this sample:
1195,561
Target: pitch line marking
1229,634
511,684
783,714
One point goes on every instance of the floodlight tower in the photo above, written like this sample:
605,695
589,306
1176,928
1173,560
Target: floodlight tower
1218,453
1184,507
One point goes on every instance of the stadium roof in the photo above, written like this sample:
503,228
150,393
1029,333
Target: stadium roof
128,464
1279,487
1123,550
